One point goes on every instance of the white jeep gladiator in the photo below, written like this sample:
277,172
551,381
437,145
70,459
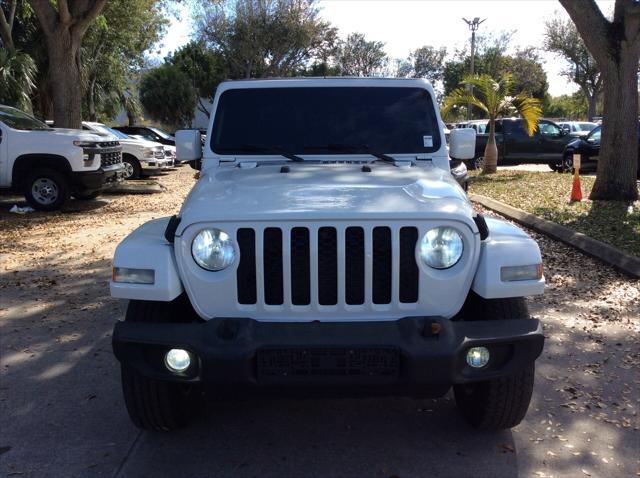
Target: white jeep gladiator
50,165
326,247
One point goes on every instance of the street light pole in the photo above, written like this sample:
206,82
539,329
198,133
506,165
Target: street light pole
473,26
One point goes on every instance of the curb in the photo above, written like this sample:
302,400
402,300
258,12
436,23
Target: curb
608,254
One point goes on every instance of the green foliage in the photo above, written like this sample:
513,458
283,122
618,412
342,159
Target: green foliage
525,66
566,106
206,68
424,62
17,73
264,38
562,37
494,99
167,95
357,56
113,51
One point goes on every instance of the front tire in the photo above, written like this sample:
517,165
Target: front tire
156,405
132,169
46,189
499,403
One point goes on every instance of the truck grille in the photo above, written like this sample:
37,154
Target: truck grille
109,144
111,158
327,265
159,154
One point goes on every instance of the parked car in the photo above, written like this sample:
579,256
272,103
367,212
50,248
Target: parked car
589,150
516,146
577,129
150,133
326,247
50,165
140,157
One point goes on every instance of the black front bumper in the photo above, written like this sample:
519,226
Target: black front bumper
414,352
94,180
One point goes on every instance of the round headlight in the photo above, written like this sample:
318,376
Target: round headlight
441,247
213,249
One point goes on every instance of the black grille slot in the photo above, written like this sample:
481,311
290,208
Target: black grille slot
300,266
354,265
327,266
409,273
381,292
273,280
246,274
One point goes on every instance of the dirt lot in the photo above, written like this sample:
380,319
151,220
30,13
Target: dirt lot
61,411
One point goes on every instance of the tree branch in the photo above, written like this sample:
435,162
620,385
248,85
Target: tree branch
46,14
592,25
83,21
6,30
63,12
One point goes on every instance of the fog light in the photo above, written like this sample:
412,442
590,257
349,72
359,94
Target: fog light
478,357
177,360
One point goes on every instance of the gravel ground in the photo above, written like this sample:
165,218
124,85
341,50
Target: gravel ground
61,411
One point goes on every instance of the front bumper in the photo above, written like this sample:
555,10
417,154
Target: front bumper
412,353
94,180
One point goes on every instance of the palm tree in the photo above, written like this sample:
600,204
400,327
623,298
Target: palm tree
17,75
493,97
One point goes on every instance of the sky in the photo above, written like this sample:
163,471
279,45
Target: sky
404,25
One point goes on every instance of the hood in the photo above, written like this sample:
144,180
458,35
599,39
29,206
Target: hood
324,191
81,135
140,142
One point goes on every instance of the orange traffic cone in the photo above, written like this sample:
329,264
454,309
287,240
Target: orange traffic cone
576,192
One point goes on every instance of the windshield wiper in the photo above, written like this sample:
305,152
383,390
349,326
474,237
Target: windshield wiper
255,148
355,149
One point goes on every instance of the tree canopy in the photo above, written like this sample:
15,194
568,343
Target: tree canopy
562,37
168,96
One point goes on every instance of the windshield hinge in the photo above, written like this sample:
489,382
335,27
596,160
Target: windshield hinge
248,165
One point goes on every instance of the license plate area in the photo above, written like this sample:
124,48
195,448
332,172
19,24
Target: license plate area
328,364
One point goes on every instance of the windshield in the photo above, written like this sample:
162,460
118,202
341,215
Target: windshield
585,126
106,130
595,135
162,134
17,119
325,120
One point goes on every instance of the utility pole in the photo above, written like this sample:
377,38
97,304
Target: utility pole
473,26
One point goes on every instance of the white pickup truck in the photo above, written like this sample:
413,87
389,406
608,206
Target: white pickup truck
51,165
139,156
327,246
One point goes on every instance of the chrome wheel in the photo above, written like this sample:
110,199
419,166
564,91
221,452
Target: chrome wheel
45,191
478,163
128,169
567,164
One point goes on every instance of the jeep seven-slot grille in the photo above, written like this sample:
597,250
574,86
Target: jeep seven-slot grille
327,264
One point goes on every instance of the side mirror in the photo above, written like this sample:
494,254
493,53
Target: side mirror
564,131
189,146
462,143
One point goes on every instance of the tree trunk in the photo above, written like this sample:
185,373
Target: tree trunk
64,77
131,118
618,161
592,101
491,151
91,100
